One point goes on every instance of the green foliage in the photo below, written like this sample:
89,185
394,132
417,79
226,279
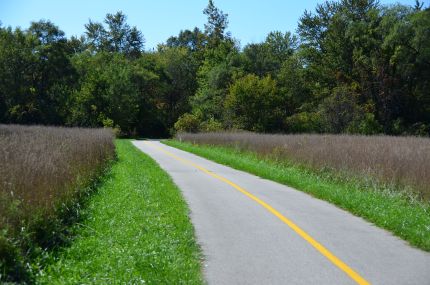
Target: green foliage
365,124
216,25
214,77
12,263
180,69
188,123
194,40
370,48
192,123
267,57
254,103
118,37
107,93
304,122
339,109
36,74
211,125
346,56
293,85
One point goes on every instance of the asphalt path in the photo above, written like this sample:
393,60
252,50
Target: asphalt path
255,231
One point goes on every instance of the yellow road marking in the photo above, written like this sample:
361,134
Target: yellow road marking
324,251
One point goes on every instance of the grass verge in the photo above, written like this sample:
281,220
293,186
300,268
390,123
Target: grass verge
406,218
136,231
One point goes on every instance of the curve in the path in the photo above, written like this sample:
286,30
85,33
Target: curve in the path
255,241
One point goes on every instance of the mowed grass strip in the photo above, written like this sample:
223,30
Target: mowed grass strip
406,218
136,231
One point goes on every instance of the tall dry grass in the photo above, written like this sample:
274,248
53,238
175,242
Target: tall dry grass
402,162
43,172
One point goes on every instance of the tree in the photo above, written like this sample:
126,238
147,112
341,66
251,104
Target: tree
254,104
267,57
16,89
96,36
108,94
194,40
180,69
54,74
340,109
355,66
281,45
216,25
207,103
293,85
408,55
37,75
215,72
258,59
118,37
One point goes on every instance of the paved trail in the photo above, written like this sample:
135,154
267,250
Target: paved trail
255,231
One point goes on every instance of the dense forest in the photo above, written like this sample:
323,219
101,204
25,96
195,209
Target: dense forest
352,66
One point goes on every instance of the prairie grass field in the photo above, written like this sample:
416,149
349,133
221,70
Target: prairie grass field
44,174
401,163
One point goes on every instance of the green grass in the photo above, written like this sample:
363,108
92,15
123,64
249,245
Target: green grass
136,230
406,218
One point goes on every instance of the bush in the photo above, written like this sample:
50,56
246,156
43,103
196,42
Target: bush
303,122
255,104
365,124
187,123
420,129
211,125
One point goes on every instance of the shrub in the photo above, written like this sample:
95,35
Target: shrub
365,124
254,103
187,123
303,122
211,125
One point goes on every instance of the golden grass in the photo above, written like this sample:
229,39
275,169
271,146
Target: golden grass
401,162
43,173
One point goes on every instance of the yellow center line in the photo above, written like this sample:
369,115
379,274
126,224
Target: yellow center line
319,247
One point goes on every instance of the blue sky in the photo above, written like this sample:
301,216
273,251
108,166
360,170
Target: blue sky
250,21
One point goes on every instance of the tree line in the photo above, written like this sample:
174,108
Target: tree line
351,66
